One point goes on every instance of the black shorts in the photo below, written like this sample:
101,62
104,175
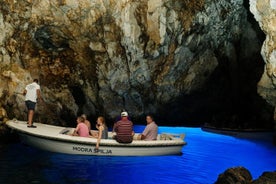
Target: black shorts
30,105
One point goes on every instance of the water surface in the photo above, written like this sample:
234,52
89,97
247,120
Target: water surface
205,157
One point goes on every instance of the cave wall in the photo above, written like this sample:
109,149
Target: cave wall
183,61
264,13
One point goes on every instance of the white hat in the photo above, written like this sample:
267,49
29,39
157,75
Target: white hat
124,114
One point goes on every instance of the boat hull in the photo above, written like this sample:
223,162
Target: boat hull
57,142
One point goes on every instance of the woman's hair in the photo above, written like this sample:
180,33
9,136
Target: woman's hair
81,119
103,121
84,116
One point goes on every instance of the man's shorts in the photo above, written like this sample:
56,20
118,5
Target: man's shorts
30,105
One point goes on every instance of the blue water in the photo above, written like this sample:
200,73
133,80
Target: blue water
205,157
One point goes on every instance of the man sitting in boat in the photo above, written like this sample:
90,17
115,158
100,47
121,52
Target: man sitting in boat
123,129
151,130
81,129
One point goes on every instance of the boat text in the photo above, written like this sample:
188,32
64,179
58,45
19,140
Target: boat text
92,150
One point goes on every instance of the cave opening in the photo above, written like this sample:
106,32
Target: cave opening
78,96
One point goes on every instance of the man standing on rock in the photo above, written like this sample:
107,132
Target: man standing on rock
32,93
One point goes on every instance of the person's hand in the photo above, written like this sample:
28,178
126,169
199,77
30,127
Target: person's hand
40,100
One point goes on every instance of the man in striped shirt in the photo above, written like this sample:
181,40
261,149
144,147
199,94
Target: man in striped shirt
124,129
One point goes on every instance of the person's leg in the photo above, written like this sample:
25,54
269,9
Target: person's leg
31,108
30,117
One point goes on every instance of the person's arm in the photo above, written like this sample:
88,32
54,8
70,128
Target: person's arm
75,133
88,125
145,133
99,136
39,94
114,127
24,92
132,133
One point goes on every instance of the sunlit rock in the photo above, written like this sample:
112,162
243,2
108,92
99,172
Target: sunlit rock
99,57
264,12
3,115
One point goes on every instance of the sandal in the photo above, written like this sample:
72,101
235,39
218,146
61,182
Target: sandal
31,126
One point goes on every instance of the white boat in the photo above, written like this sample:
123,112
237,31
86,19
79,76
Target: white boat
57,139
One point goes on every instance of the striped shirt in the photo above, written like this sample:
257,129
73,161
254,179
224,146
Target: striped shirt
124,129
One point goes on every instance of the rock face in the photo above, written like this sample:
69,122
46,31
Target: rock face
266,177
264,13
235,175
242,175
98,57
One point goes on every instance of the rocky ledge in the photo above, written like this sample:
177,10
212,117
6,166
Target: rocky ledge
242,175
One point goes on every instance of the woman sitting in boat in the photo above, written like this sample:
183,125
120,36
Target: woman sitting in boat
102,132
87,122
81,129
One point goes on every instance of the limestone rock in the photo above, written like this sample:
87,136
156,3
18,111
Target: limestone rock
235,175
264,13
267,178
98,57
3,115
242,175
